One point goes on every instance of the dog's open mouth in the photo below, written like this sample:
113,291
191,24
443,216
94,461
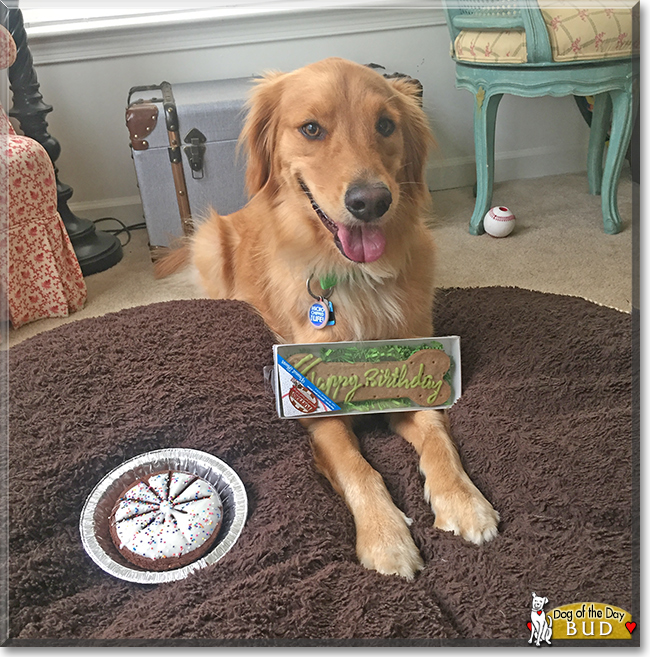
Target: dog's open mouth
362,243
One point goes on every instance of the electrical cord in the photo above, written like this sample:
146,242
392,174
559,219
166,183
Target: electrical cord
124,228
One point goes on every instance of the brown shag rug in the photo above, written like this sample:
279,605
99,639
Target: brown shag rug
544,428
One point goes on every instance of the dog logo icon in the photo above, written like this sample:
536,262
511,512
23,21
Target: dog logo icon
540,628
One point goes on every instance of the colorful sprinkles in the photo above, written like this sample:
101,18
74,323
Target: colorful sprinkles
167,515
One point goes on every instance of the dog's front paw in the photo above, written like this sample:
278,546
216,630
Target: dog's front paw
465,512
388,548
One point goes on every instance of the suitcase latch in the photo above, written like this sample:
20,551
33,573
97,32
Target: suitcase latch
195,151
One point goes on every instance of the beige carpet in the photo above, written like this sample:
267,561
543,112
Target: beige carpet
558,246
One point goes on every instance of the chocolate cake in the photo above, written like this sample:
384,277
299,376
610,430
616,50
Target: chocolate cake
166,520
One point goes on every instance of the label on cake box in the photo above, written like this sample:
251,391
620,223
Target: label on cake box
377,376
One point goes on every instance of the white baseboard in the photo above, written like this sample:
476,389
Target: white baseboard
528,163
127,209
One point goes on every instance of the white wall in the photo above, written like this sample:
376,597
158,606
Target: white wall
86,78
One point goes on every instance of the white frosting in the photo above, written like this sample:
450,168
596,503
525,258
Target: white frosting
165,516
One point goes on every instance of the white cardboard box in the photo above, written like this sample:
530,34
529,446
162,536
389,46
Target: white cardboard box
297,394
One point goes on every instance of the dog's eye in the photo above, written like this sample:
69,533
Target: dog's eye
312,130
385,126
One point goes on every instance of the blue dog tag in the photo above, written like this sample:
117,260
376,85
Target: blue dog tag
332,319
319,314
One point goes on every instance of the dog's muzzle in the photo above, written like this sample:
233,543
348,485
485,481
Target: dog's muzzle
361,243
368,202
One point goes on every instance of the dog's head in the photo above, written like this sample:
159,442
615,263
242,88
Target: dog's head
538,602
341,138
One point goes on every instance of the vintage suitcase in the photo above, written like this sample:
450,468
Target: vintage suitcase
183,140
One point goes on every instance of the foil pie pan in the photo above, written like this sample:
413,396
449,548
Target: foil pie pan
94,521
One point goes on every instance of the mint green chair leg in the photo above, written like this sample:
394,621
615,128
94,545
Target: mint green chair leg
600,121
622,120
485,117
614,87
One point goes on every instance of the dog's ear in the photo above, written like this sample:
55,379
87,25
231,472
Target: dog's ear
534,595
545,600
259,131
417,135
408,87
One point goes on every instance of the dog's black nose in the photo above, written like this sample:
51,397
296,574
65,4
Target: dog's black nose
368,202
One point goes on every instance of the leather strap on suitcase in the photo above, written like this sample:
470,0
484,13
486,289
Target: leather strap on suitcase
141,120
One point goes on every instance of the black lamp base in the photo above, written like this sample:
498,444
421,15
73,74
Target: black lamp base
95,250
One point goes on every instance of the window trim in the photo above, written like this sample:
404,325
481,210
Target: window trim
168,31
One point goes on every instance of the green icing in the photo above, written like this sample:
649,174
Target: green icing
376,355
375,405
373,354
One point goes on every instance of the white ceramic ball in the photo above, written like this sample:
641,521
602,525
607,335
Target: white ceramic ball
499,221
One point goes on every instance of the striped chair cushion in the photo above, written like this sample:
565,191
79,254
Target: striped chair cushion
578,31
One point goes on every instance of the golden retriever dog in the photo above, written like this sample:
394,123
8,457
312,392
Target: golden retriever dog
336,159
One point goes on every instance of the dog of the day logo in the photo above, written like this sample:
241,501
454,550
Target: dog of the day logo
540,625
580,620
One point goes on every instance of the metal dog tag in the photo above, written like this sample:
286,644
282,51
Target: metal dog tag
319,314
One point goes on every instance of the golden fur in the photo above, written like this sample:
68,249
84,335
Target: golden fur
264,253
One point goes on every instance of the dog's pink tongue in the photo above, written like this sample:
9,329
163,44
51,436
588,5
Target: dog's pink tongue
362,243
